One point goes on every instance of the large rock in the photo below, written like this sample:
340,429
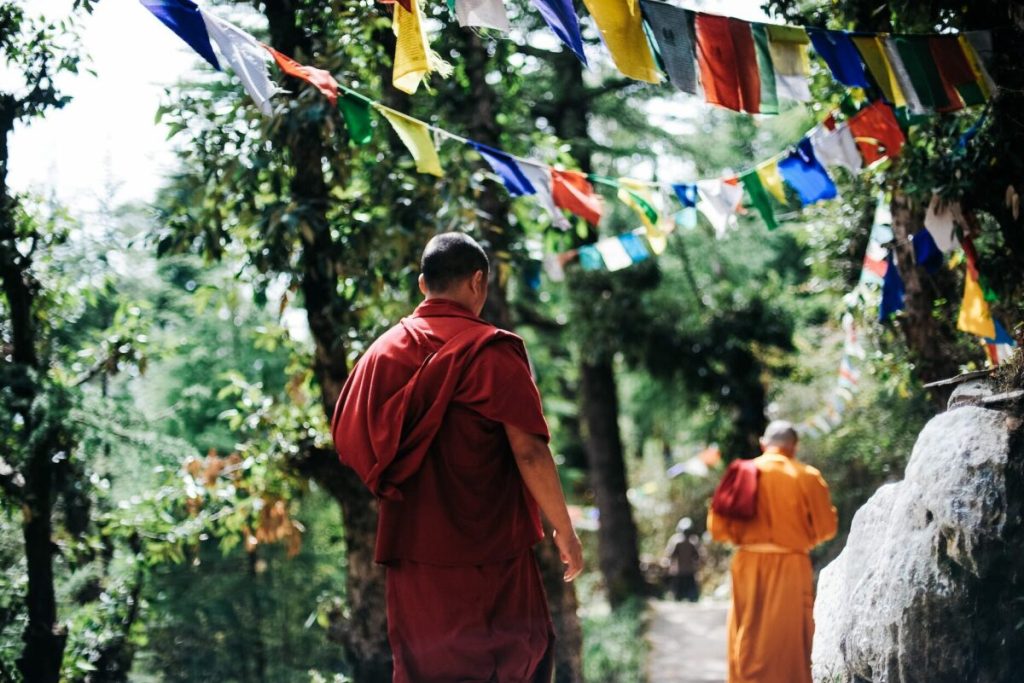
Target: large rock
928,588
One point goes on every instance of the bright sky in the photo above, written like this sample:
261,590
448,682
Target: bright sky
107,136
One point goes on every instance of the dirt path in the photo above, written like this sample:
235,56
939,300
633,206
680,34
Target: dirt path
687,642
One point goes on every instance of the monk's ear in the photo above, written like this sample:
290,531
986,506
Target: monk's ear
423,285
479,280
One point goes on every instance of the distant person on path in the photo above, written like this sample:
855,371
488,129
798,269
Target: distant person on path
685,556
771,620
443,422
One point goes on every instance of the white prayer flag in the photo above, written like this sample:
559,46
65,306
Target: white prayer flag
614,254
837,148
247,57
540,177
940,222
482,13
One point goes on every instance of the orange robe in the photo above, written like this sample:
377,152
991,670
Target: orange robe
771,623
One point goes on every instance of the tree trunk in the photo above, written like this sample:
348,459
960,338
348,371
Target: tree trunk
618,552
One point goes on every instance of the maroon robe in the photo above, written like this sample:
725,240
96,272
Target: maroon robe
422,421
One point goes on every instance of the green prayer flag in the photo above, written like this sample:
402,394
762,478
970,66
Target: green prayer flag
645,206
356,113
759,197
769,95
655,48
917,57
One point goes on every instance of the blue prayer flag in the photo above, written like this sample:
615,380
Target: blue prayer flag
687,194
590,258
561,18
506,167
926,252
635,247
183,17
841,55
1002,336
802,171
892,291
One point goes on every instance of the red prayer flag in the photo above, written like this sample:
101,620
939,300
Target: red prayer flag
954,69
572,191
877,132
318,78
728,63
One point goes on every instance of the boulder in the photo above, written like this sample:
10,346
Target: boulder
929,587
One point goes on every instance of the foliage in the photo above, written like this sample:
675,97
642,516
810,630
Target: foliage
613,645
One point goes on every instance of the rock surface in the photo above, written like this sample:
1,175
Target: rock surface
929,587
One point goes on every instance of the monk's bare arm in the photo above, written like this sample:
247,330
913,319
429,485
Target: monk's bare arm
537,467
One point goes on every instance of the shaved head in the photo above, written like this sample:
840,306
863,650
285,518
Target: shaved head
450,258
780,434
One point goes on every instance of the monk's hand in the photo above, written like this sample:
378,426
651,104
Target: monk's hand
571,551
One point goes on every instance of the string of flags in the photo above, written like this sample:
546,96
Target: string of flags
739,65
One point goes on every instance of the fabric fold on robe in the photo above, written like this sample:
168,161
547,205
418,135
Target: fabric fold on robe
728,63
483,13
415,135
841,55
877,132
837,148
622,29
573,192
318,78
248,59
804,173
506,168
561,18
787,46
186,20
539,177
356,113
876,59
759,198
673,32
414,59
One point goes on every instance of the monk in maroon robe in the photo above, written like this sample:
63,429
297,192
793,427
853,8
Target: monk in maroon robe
443,422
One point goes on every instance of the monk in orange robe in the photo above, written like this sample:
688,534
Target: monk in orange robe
443,422
771,623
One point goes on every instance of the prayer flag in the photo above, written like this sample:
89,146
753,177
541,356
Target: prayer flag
877,132
977,46
892,291
634,194
788,48
672,28
920,66
248,59
185,19
635,247
1001,336
872,50
975,317
318,78
836,148
719,201
805,174
771,179
356,113
759,197
765,69
940,222
926,254
839,52
613,253
554,267
415,135
540,179
623,32
413,57
572,191
506,167
955,69
899,70
562,20
728,63
483,13
590,258
687,194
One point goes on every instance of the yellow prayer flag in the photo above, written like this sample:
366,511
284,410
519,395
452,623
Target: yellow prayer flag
985,81
636,195
771,179
788,48
416,137
623,33
872,50
974,314
413,56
